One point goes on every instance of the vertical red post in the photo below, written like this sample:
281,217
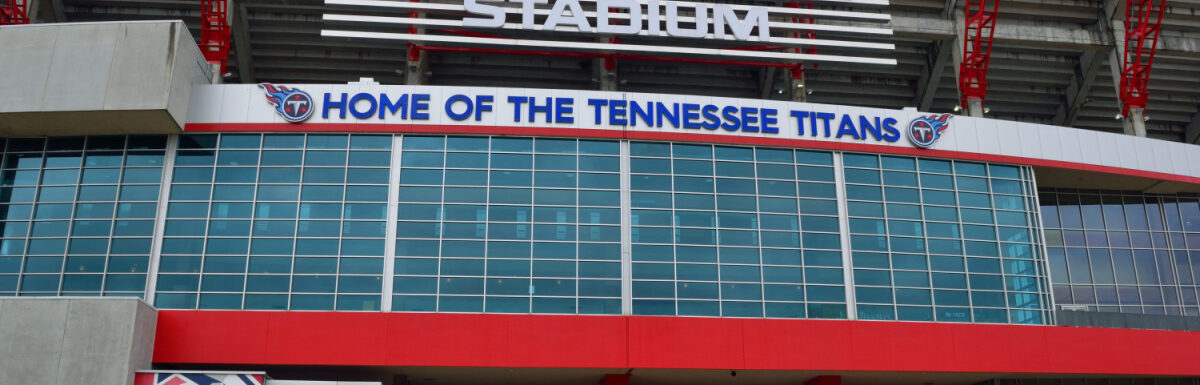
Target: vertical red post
977,48
798,70
13,12
414,51
1143,19
214,32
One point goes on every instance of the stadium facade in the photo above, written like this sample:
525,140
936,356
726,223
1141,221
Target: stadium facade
293,231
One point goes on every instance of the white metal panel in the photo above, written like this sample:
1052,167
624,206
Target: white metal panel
1069,142
1027,137
257,99
1107,149
1124,155
1048,137
1194,161
966,138
1179,159
1145,154
235,105
1162,156
204,105
987,136
1088,145
1009,136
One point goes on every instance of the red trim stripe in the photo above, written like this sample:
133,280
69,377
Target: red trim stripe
679,137
551,341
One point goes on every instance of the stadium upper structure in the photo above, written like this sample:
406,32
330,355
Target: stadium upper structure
579,191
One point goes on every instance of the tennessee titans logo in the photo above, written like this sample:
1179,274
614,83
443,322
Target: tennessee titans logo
293,104
926,130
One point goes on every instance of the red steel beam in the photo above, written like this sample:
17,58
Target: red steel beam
570,341
13,12
214,32
1143,19
977,48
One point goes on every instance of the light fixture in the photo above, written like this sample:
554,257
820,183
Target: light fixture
1145,118
808,91
799,85
957,108
1119,117
987,110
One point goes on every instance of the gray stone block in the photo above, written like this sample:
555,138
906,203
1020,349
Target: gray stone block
74,341
33,325
99,327
30,367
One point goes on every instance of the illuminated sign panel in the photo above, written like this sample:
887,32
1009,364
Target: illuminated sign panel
569,12
514,107
661,27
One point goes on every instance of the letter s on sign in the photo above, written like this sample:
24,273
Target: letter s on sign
474,7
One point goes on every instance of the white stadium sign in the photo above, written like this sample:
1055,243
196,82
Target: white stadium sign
666,26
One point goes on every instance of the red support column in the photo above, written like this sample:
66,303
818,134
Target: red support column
798,93
977,49
414,51
610,61
13,12
1143,19
214,32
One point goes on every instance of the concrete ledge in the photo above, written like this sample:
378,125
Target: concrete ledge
88,78
88,123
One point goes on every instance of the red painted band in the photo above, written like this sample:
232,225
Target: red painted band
679,137
550,341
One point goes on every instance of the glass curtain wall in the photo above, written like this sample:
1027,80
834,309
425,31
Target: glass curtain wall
734,231
1124,252
939,240
509,225
78,214
276,221
536,225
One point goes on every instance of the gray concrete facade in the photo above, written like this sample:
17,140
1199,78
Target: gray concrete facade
87,78
73,340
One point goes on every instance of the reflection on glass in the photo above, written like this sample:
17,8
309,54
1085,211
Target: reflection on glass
1152,270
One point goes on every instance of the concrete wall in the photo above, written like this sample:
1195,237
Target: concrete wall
89,78
71,341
